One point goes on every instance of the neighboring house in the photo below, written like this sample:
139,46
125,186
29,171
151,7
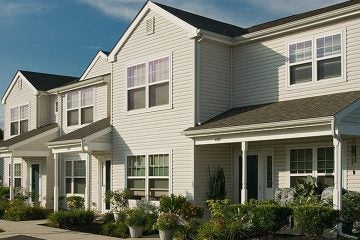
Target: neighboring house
180,94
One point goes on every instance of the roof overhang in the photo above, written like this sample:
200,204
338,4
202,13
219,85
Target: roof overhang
99,55
80,84
15,78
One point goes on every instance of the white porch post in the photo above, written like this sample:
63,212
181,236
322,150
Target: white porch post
87,185
244,148
337,193
12,180
56,182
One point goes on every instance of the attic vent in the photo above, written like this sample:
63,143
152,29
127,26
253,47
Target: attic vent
150,26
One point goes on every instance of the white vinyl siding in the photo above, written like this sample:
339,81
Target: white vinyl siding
152,131
100,68
43,110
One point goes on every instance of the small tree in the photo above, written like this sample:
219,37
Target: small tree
217,185
119,199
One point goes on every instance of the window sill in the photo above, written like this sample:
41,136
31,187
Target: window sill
148,110
75,127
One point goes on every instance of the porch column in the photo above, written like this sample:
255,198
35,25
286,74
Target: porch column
244,148
87,184
337,193
12,180
56,182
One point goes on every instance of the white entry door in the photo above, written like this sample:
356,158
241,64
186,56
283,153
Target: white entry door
105,184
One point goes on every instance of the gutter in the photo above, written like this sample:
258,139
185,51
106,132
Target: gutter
81,84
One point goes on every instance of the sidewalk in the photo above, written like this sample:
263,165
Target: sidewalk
31,230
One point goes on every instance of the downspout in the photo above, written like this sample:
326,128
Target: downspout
337,136
197,80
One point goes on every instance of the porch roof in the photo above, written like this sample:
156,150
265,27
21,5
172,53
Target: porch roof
284,111
26,136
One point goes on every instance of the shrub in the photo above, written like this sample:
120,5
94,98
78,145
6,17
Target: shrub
167,221
313,219
4,205
107,217
351,207
211,231
189,211
172,203
66,219
22,212
188,231
119,199
136,217
75,202
112,229
4,192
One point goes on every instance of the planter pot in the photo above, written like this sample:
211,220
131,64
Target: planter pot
166,234
347,228
136,232
116,216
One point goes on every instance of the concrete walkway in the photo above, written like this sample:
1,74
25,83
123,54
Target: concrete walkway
31,230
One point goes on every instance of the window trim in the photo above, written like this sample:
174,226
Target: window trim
16,177
147,85
314,172
79,107
147,177
315,59
19,119
72,177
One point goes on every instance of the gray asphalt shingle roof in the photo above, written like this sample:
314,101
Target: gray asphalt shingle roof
305,108
27,135
85,131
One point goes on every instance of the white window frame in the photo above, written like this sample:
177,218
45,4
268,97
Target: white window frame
19,120
147,85
79,107
314,172
16,177
147,177
315,60
72,177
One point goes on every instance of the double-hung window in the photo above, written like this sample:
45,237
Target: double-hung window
80,107
19,120
315,59
313,161
148,176
148,84
17,174
75,172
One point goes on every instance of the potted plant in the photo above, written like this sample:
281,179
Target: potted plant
166,224
351,211
136,221
119,200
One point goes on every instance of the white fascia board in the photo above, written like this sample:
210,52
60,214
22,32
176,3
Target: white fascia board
30,153
81,84
5,154
34,138
17,75
65,143
260,127
300,24
100,54
193,31
346,111
203,34
69,149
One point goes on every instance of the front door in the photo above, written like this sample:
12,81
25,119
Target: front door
252,176
106,183
35,182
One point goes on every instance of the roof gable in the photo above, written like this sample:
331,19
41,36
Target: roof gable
99,55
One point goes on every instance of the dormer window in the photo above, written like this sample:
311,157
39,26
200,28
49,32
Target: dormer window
80,107
19,120
318,59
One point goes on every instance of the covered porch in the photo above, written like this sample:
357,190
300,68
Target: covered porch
270,146
82,162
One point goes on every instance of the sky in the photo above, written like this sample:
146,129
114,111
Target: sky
62,36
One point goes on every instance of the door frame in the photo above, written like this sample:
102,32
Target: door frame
102,175
261,153
30,179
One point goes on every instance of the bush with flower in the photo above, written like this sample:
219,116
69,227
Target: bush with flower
166,221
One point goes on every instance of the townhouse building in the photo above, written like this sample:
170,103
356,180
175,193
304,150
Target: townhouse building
180,94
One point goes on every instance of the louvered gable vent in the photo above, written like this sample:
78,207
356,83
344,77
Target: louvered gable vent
150,22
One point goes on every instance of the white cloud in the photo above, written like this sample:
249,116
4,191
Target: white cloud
14,8
286,7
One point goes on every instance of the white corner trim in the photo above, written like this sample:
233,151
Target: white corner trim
99,55
16,77
153,7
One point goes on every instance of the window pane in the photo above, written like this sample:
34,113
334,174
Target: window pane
137,188
14,112
295,179
300,161
68,168
14,128
136,75
79,168
325,161
72,99
136,98
325,181
136,166
329,45
17,182
24,126
158,188
159,165
301,73
300,52
87,115
79,185
73,117
329,68
24,112
159,70
159,94
17,169
87,97
68,185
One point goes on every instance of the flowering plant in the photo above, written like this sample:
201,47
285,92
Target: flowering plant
166,221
